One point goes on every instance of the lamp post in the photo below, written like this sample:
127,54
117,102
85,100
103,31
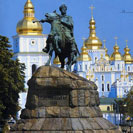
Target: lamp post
130,123
124,127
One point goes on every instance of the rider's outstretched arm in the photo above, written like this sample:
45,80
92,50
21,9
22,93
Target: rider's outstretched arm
43,20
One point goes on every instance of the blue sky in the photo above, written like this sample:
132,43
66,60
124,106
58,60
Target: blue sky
110,22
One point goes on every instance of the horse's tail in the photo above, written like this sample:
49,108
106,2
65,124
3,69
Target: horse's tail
77,49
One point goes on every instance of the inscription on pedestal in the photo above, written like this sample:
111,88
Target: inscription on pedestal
55,98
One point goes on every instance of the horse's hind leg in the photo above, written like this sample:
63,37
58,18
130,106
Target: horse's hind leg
62,64
69,67
74,58
62,61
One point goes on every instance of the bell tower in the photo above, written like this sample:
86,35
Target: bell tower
29,42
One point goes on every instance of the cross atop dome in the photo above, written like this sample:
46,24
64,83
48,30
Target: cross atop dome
104,43
92,7
116,38
126,43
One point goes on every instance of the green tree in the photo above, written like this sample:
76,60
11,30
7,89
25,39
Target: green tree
11,80
121,109
129,103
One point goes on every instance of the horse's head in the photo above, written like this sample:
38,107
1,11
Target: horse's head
52,16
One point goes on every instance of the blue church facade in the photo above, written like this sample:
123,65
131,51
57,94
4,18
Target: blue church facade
112,74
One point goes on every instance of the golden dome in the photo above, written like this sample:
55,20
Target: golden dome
127,57
84,56
26,25
116,55
57,61
106,54
93,42
107,57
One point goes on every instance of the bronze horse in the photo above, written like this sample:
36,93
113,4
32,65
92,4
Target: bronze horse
56,40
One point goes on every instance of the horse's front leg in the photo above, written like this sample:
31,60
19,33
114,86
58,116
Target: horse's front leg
71,60
50,56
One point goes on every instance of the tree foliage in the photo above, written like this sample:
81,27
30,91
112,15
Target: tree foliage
120,106
129,103
11,80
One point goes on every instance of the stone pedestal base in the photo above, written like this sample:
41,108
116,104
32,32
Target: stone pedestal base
61,102
65,125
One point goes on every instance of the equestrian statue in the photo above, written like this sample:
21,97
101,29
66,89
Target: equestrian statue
61,39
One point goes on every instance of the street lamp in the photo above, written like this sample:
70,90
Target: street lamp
124,126
130,124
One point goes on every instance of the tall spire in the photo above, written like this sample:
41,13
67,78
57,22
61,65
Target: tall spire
26,25
93,42
29,10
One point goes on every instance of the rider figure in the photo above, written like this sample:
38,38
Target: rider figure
67,31
67,27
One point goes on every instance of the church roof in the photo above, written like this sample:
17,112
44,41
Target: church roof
127,56
84,56
93,42
26,25
116,55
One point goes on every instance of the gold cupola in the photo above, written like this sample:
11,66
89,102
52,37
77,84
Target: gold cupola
116,55
26,25
106,50
57,61
127,56
93,42
84,56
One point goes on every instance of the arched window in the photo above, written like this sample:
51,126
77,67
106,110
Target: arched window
102,87
80,67
102,78
34,67
95,59
128,68
118,66
85,67
108,88
108,108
